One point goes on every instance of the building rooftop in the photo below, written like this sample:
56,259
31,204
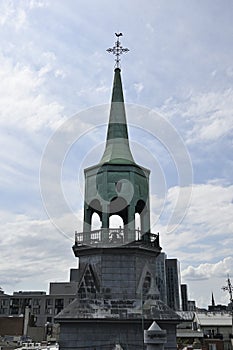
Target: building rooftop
186,315
214,318
29,292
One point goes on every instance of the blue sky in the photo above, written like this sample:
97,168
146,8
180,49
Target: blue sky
54,66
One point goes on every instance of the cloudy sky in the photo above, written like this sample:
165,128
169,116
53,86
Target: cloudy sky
55,86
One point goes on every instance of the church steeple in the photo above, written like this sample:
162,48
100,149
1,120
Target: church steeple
117,149
117,275
117,185
212,300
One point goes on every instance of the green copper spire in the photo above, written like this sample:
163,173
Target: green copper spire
117,150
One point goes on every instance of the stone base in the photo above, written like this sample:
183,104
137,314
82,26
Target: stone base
101,336
104,335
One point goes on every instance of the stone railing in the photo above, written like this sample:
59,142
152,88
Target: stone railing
115,236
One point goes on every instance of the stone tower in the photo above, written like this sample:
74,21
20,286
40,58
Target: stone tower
117,297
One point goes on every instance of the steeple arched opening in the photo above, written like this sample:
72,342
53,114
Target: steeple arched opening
95,222
92,215
116,221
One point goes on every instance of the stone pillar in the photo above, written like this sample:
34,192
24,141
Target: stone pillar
145,220
105,224
155,337
26,320
131,224
87,219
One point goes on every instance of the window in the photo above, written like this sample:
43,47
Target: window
36,302
49,306
36,311
59,305
49,302
4,302
212,347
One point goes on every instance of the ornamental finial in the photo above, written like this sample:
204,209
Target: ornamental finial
117,50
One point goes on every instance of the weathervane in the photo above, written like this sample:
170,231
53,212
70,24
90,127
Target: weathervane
117,50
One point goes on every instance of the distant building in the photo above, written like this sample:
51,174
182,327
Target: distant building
216,328
184,297
161,276
191,305
217,308
42,307
11,326
187,332
173,284
213,307
204,330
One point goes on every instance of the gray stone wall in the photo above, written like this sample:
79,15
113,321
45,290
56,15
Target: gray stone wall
120,275
102,336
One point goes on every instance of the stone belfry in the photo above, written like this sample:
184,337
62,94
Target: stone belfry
117,298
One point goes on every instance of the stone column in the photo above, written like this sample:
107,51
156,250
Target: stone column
130,224
87,218
105,224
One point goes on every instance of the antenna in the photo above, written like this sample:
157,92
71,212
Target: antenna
117,50
229,288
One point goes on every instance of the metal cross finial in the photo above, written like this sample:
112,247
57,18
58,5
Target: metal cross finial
117,50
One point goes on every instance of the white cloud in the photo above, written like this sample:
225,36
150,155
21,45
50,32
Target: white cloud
206,271
38,4
138,87
203,241
206,226
22,101
212,206
229,71
209,203
30,246
12,14
59,73
150,28
209,114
